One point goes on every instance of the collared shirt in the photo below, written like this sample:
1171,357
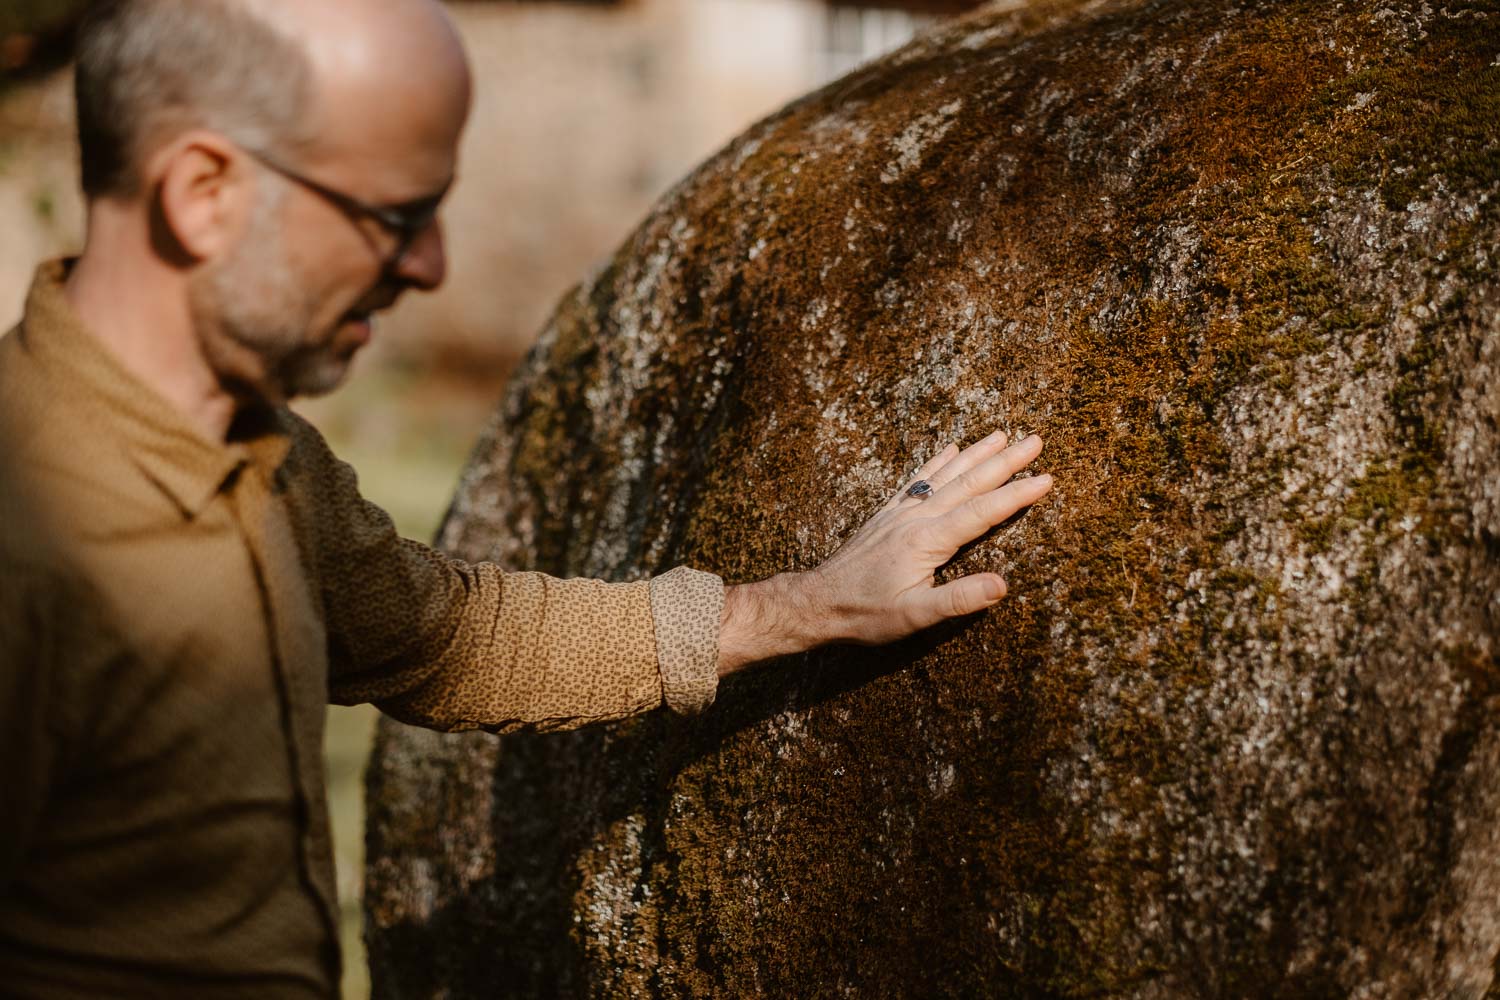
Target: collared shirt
175,612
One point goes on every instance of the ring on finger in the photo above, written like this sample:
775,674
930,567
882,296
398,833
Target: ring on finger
921,489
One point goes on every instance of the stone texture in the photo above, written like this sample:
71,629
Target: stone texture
1234,731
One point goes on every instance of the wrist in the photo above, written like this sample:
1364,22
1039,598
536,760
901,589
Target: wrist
769,618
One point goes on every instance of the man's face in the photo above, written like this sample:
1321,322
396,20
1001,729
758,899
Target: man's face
300,289
255,301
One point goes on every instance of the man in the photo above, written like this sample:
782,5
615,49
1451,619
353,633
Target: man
190,574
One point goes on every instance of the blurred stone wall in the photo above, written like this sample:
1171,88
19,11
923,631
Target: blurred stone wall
584,115
40,208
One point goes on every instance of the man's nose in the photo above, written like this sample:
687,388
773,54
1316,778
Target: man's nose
425,262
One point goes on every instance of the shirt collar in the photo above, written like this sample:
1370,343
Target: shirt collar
187,466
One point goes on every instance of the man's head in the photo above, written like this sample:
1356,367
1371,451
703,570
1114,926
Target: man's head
283,158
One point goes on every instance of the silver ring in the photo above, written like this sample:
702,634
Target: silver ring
921,489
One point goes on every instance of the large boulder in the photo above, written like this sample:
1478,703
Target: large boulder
1234,731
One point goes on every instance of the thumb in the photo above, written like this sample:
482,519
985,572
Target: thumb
963,596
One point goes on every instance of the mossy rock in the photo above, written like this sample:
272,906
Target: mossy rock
1232,734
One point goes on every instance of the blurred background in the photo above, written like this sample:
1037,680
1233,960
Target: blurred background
586,111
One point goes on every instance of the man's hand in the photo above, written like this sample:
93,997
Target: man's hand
879,586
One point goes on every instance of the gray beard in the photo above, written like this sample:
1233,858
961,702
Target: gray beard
253,301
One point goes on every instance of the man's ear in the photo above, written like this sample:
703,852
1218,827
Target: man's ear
204,193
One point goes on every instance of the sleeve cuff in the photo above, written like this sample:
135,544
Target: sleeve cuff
687,609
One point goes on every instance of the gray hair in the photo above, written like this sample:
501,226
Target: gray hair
149,70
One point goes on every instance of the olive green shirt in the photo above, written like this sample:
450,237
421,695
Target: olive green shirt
176,612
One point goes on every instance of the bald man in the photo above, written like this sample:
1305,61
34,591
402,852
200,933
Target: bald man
190,575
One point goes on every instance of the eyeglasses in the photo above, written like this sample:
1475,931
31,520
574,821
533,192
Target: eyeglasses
404,222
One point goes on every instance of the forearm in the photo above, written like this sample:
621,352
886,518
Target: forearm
521,651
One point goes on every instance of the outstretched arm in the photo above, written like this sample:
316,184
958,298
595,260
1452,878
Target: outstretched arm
879,586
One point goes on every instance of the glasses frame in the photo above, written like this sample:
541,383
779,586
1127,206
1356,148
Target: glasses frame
403,223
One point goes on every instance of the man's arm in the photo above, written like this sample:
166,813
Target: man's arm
439,642
446,644
879,586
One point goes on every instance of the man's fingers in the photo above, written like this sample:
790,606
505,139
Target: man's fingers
968,458
928,469
988,475
932,465
963,596
977,515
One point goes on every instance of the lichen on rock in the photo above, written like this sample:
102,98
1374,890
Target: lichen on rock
1233,732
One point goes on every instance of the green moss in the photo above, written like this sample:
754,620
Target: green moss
1414,371
1430,116
1376,503
1315,533
1385,493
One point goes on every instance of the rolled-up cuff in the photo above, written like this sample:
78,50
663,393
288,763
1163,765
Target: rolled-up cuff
687,608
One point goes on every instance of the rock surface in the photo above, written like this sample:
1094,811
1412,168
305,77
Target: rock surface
1234,731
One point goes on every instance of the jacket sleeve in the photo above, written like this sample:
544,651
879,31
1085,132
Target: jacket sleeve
438,642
